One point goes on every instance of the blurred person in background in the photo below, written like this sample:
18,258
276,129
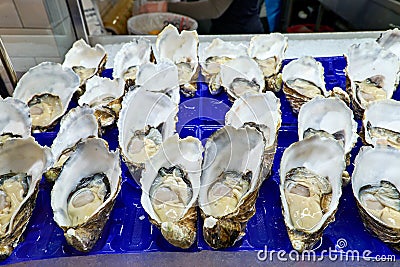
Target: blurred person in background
227,16
273,8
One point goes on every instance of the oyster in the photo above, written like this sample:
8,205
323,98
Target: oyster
104,96
47,89
332,116
381,123
22,162
84,194
213,56
14,119
129,58
262,111
170,187
390,41
310,187
161,77
181,49
303,80
85,60
77,125
231,178
241,75
375,184
146,120
268,51
372,74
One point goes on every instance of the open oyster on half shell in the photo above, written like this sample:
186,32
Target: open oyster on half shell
170,187
376,185
15,121
146,120
310,187
268,51
372,74
182,50
263,112
22,162
84,194
78,124
303,79
84,60
230,181
104,96
381,123
47,89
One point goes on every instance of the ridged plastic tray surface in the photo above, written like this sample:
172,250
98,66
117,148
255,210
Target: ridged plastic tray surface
129,231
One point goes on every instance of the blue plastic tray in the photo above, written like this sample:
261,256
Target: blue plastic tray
129,231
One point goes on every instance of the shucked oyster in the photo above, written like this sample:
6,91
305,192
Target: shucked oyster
146,120
47,90
77,125
104,96
22,162
231,177
381,123
181,49
14,119
303,80
129,58
372,74
263,112
376,186
85,60
84,193
268,51
170,186
310,187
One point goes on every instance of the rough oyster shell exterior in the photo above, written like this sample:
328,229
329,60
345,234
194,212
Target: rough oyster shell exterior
15,119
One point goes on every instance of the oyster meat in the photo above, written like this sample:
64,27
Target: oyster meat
84,194
303,80
376,187
381,123
15,120
47,90
310,187
230,181
372,74
181,49
268,51
22,162
170,187
263,112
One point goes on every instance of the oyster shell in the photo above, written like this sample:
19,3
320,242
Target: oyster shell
78,124
47,89
161,77
262,111
381,123
104,96
15,120
372,74
22,162
390,41
268,51
241,75
170,187
181,49
85,60
310,187
376,189
146,120
129,58
303,80
84,194
231,177
332,116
